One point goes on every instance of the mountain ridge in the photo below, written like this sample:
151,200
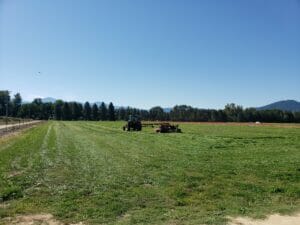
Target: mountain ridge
285,105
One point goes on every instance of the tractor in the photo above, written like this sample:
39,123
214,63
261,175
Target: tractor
133,123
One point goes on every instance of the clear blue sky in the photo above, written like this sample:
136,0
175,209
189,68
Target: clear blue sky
145,53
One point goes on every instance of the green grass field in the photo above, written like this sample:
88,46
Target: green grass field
95,173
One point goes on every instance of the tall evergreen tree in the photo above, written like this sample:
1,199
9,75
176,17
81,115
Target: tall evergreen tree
95,112
103,111
296,117
80,111
46,111
66,111
144,114
121,113
16,102
76,110
58,109
111,112
36,109
233,112
4,103
87,111
25,110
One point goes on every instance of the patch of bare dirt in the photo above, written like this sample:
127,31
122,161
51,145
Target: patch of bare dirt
7,133
14,174
275,219
125,217
36,219
4,205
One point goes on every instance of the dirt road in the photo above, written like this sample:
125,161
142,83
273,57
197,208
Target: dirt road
12,127
275,219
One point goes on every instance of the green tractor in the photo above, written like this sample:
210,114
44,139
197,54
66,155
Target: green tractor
134,123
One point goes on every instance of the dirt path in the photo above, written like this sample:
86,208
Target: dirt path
5,129
275,219
18,125
42,219
50,220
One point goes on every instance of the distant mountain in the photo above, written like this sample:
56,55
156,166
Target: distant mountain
48,100
287,105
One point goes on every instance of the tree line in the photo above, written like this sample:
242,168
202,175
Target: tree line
59,110
63,110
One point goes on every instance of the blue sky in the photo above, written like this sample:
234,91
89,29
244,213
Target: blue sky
145,53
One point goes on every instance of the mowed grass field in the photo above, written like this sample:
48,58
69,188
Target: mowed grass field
98,174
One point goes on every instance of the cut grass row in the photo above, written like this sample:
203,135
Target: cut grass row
96,173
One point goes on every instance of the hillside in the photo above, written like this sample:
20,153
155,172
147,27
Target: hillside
287,105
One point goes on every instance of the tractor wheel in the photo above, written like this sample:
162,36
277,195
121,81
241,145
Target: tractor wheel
139,128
